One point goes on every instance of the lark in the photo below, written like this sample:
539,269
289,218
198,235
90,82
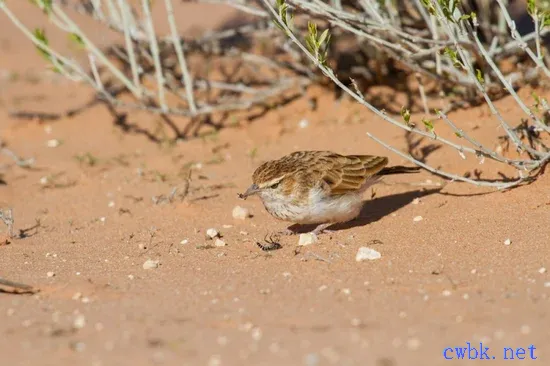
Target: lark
318,187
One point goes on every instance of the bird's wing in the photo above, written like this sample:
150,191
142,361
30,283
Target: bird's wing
346,174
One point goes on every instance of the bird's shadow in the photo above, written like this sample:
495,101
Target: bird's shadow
373,210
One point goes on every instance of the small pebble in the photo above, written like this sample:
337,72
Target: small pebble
542,270
111,204
322,288
151,264
303,123
240,213
256,334
79,322
307,239
77,296
219,243
413,344
50,274
365,253
416,201
53,143
547,284
418,218
131,277
507,242
212,233
184,241
446,293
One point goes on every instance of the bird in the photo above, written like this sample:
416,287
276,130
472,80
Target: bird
318,187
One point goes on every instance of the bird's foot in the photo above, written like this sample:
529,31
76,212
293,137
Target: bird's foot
321,229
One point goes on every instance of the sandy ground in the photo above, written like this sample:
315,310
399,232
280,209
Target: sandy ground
441,282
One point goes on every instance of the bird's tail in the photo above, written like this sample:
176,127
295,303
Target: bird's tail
399,169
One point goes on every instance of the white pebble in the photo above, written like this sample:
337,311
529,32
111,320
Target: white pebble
222,340
507,242
416,201
542,270
151,264
79,322
184,241
212,233
446,293
50,274
322,288
220,243
547,284
240,213
53,143
413,344
131,277
307,239
256,334
303,123
365,253
111,204
44,181
418,218
77,295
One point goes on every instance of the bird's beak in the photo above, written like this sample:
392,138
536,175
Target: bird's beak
253,189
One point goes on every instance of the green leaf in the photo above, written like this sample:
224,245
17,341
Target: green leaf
40,36
77,39
429,6
406,114
453,55
44,5
458,134
428,124
479,76
324,37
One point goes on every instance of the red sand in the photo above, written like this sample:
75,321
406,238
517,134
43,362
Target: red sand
441,282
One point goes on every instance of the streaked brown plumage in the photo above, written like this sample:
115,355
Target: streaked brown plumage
318,187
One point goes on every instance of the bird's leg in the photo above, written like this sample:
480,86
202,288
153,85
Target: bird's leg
286,232
322,228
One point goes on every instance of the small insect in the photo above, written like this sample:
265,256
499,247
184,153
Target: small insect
270,243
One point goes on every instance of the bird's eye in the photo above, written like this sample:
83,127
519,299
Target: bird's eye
274,186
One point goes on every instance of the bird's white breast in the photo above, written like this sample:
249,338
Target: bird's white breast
319,208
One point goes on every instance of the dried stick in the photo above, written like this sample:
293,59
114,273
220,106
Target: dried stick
155,52
96,51
187,81
125,13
